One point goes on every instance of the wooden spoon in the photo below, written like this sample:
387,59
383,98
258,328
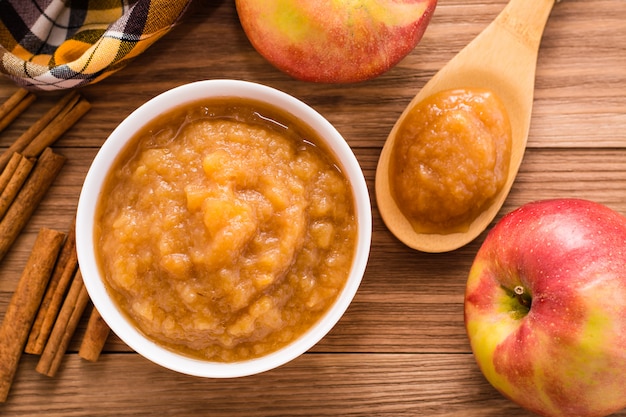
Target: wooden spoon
502,59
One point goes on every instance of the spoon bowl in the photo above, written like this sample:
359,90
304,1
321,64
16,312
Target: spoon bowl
502,58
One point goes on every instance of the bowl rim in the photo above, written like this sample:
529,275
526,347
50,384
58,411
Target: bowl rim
90,194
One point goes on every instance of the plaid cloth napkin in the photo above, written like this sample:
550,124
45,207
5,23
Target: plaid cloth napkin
63,44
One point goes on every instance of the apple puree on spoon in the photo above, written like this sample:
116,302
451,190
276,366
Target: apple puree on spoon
450,159
501,59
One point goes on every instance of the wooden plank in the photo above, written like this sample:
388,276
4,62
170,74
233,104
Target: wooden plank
580,86
416,305
312,385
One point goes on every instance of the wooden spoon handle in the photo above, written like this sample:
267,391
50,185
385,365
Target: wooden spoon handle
526,20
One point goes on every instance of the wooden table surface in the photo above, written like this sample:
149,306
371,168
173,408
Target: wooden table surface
401,348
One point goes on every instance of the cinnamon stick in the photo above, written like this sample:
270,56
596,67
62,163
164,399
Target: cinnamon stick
16,181
43,175
14,106
57,127
12,101
95,337
56,113
64,327
9,169
24,303
62,275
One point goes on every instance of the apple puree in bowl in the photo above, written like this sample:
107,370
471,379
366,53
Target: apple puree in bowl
224,231
451,158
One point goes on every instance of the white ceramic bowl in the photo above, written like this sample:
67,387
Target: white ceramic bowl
99,170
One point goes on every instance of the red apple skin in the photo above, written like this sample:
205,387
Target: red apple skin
332,41
567,355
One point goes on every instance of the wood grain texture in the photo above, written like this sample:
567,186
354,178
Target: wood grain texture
401,348
314,385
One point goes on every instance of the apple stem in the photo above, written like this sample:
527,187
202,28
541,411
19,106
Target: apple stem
520,292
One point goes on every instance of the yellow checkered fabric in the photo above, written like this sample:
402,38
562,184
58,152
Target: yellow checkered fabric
63,44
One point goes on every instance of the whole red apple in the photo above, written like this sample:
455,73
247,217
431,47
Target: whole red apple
334,41
545,308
